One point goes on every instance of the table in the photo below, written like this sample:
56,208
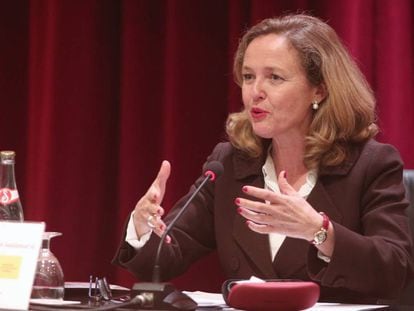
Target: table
81,294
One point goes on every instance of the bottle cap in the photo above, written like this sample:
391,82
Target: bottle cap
7,155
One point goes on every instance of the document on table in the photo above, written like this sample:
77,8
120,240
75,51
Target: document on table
324,306
205,299
19,248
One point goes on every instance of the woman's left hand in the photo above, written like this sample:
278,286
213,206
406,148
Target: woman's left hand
286,213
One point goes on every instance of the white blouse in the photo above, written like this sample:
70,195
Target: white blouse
270,180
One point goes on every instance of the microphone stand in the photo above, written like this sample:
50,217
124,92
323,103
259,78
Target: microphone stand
163,296
156,272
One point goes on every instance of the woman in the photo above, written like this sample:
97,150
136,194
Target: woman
306,192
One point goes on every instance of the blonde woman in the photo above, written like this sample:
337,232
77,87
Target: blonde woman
306,193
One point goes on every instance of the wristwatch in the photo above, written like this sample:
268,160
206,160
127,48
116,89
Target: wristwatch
321,235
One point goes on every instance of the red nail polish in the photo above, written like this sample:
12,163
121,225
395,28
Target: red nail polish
239,210
244,189
285,174
237,201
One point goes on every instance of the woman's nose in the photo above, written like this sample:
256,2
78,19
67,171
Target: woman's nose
258,91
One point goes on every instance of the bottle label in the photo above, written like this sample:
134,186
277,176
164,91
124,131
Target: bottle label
8,196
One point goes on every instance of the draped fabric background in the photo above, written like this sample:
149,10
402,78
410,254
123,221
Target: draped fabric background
96,93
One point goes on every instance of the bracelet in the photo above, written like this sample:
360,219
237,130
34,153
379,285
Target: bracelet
321,235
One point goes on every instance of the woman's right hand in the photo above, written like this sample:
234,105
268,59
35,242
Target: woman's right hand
148,210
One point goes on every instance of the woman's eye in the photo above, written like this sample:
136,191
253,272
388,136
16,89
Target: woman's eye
275,77
247,76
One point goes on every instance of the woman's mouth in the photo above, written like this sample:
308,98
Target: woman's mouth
258,114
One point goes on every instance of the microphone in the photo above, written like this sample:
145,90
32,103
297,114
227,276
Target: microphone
163,296
213,170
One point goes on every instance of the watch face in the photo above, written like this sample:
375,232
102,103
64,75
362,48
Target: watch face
320,237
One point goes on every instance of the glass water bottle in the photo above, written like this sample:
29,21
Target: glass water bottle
10,205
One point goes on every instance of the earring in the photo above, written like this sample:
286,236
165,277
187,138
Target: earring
315,105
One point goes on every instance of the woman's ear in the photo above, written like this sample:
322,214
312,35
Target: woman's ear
321,92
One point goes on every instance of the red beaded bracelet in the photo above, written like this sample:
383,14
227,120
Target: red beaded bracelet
325,221
321,235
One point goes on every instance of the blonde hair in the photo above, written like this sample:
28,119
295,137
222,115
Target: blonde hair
346,115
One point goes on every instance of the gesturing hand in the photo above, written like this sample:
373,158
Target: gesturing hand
286,213
148,210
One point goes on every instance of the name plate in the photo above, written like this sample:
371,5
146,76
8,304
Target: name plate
19,249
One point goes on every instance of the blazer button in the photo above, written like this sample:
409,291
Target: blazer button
234,264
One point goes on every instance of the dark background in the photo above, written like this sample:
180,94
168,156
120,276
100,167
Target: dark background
95,94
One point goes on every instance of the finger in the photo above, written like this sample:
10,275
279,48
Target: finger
252,207
284,185
160,229
259,218
154,210
157,190
158,226
144,209
259,228
145,222
163,173
263,194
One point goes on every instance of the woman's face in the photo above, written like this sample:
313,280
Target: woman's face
276,93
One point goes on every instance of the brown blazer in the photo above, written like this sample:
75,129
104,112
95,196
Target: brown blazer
364,198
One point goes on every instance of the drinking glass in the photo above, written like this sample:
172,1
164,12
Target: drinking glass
49,281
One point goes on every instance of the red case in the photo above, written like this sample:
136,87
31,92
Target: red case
271,295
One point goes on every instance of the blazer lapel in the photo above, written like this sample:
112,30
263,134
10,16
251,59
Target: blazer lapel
321,201
291,258
254,245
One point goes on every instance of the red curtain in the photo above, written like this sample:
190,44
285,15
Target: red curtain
95,93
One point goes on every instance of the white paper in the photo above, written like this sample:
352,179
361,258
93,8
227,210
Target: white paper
204,299
19,248
322,306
